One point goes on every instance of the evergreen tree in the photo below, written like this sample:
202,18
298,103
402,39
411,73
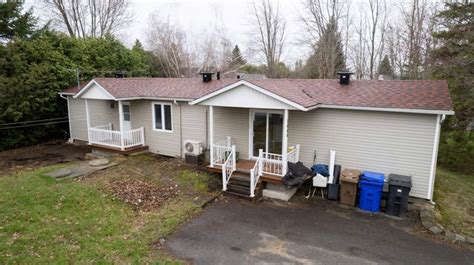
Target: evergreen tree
454,62
328,56
14,24
385,69
237,59
34,70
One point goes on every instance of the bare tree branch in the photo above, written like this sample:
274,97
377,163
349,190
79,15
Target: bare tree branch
90,18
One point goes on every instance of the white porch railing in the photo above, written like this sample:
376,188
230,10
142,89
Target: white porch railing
220,151
104,135
273,163
256,172
228,168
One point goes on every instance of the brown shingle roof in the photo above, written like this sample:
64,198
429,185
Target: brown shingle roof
405,94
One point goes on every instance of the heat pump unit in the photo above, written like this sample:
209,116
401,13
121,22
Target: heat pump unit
193,147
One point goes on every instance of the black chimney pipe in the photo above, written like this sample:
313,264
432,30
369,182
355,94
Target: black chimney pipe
218,75
206,76
344,77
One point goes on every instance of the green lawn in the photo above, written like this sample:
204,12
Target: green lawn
43,220
454,197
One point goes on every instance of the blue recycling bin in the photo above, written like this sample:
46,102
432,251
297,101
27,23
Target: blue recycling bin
370,191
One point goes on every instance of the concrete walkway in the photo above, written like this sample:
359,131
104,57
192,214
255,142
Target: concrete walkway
236,232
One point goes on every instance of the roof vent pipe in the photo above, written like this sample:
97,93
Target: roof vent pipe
218,75
344,77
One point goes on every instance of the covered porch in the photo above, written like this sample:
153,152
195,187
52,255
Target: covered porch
248,135
123,140
108,120
255,152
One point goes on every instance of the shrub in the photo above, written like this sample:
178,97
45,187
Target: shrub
456,150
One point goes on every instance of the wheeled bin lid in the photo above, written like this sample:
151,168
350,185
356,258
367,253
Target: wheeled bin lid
350,175
372,177
399,180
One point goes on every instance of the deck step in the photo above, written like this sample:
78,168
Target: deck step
239,184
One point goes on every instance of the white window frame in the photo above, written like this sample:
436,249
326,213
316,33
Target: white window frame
162,116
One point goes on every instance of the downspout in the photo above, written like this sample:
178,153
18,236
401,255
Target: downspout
180,129
70,140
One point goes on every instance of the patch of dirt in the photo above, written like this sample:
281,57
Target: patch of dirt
31,157
142,195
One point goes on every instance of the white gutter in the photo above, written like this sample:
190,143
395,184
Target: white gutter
156,98
419,111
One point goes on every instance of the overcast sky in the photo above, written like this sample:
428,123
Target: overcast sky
196,16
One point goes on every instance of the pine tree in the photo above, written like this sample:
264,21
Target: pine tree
454,62
328,57
237,58
14,23
385,69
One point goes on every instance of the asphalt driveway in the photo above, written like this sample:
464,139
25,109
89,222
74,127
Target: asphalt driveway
235,232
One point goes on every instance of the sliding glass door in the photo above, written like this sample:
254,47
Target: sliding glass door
267,132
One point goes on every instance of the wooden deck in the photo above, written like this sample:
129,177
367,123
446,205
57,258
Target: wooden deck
127,151
244,166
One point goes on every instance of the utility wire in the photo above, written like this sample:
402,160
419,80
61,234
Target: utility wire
80,118
31,125
32,121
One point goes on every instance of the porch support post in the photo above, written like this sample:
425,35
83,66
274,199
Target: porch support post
88,121
211,134
121,124
285,143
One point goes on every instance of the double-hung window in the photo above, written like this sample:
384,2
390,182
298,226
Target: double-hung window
162,117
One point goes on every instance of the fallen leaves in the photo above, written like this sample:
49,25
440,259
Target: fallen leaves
142,195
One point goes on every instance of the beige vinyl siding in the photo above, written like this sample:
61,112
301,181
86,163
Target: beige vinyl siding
77,116
165,143
375,141
194,126
100,113
233,122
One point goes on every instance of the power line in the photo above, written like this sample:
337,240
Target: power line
31,125
79,118
32,121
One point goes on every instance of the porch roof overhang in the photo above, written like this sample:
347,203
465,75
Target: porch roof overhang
246,95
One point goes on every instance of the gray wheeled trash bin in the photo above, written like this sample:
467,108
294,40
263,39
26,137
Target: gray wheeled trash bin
399,188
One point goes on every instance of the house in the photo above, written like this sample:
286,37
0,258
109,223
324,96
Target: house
389,126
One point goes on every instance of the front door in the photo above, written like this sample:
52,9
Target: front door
267,132
127,125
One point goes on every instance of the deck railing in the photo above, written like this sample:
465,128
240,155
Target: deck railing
256,172
228,168
220,151
107,137
273,163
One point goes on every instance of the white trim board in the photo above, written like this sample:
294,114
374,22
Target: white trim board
434,157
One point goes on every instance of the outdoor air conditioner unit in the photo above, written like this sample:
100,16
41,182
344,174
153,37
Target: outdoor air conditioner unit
193,147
